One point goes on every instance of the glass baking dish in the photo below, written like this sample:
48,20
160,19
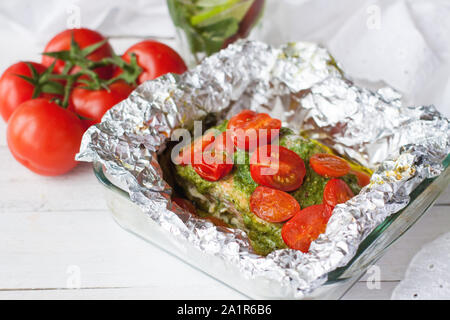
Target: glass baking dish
132,218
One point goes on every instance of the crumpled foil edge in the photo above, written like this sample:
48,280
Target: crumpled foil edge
300,84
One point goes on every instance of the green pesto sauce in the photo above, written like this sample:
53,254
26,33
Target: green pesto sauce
188,173
352,182
222,126
311,191
264,237
303,147
242,178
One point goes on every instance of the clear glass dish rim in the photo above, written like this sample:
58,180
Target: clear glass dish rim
333,276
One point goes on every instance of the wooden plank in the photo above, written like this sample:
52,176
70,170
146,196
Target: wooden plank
361,291
24,191
433,224
41,250
170,292
56,250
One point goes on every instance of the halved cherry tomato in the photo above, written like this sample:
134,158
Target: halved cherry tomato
185,204
223,142
187,154
277,167
250,130
363,178
305,227
273,205
336,191
240,119
215,164
329,165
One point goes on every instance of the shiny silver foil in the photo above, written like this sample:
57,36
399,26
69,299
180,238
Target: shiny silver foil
300,84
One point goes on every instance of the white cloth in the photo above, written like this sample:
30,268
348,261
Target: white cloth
428,275
404,43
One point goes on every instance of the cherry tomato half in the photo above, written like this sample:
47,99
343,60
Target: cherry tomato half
277,167
329,165
250,130
193,153
155,59
84,37
240,119
336,191
215,164
44,137
305,227
93,104
15,90
273,205
363,178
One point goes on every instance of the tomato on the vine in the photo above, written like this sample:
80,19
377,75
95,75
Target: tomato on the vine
84,38
93,104
273,205
15,90
277,167
155,59
44,137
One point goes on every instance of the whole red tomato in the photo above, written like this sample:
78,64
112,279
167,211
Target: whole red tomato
155,59
15,90
44,137
93,104
84,37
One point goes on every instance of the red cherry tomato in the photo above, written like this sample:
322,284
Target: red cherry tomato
250,130
305,227
240,119
194,152
186,205
223,142
155,59
273,205
363,178
277,167
329,165
336,191
15,90
93,104
44,137
215,164
84,37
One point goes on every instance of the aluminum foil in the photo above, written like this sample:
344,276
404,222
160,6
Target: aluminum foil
300,84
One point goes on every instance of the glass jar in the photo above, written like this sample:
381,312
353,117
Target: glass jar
206,26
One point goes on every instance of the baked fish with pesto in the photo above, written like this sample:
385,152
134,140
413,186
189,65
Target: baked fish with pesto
286,208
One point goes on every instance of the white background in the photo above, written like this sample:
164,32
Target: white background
57,234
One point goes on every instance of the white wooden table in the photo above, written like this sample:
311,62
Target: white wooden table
58,240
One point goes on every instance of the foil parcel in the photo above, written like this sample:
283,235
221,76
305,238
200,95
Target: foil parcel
301,84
